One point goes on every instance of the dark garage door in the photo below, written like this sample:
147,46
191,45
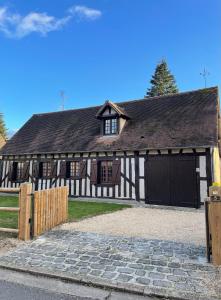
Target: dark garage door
171,180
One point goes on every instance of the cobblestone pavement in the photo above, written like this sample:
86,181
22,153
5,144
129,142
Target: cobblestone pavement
149,266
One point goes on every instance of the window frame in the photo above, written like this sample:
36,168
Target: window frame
68,169
41,170
95,173
102,175
115,118
15,177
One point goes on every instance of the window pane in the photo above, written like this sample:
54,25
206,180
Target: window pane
46,169
110,126
107,126
106,172
19,170
74,169
114,126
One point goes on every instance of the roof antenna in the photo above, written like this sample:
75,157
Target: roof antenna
204,74
62,95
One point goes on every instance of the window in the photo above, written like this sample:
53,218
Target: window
19,171
73,169
16,171
106,172
46,169
110,126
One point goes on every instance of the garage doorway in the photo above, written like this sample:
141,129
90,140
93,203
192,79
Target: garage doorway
172,180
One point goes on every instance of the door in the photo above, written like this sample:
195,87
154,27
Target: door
171,180
184,181
158,180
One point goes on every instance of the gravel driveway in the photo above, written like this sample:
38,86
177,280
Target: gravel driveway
181,226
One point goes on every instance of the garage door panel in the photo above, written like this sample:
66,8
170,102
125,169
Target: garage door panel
171,180
183,181
158,185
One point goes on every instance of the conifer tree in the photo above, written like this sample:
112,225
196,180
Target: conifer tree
162,82
3,130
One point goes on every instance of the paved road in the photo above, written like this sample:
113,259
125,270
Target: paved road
14,291
22,286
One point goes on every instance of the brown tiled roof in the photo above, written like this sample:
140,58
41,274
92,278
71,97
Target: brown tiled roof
180,120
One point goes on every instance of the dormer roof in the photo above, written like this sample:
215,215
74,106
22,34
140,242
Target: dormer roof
119,110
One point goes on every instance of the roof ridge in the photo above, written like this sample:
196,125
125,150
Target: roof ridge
66,110
128,101
169,95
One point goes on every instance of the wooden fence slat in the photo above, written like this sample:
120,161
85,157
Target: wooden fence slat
10,230
49,210
52,196
56,206
40,212
9,190
62,204
16,209
44,211
35,233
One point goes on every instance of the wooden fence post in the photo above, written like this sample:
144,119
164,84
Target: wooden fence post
215,225
25,211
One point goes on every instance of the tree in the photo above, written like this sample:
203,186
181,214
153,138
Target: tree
3,130
162,81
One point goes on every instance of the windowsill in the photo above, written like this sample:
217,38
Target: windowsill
110,135
73,177
105,184
18,180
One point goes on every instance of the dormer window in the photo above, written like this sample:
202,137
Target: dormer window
113,118
110,126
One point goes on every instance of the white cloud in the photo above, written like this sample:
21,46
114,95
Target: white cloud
39,22
14,25
85,12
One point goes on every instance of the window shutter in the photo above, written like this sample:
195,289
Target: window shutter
53,169
11,171
63,169
116,172
35,170
83,168
25,171
94,172
102,127
1,170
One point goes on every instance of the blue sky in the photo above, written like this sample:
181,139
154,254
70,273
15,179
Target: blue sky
101,49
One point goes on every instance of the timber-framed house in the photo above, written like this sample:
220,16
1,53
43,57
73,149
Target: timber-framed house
162,150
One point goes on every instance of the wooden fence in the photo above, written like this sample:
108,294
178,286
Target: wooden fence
213,228
23,210
38,212
50,209
213,225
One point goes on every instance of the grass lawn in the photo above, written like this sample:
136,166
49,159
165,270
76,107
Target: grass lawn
8,219
76,210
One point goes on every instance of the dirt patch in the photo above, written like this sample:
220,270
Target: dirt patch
175,225
7,243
